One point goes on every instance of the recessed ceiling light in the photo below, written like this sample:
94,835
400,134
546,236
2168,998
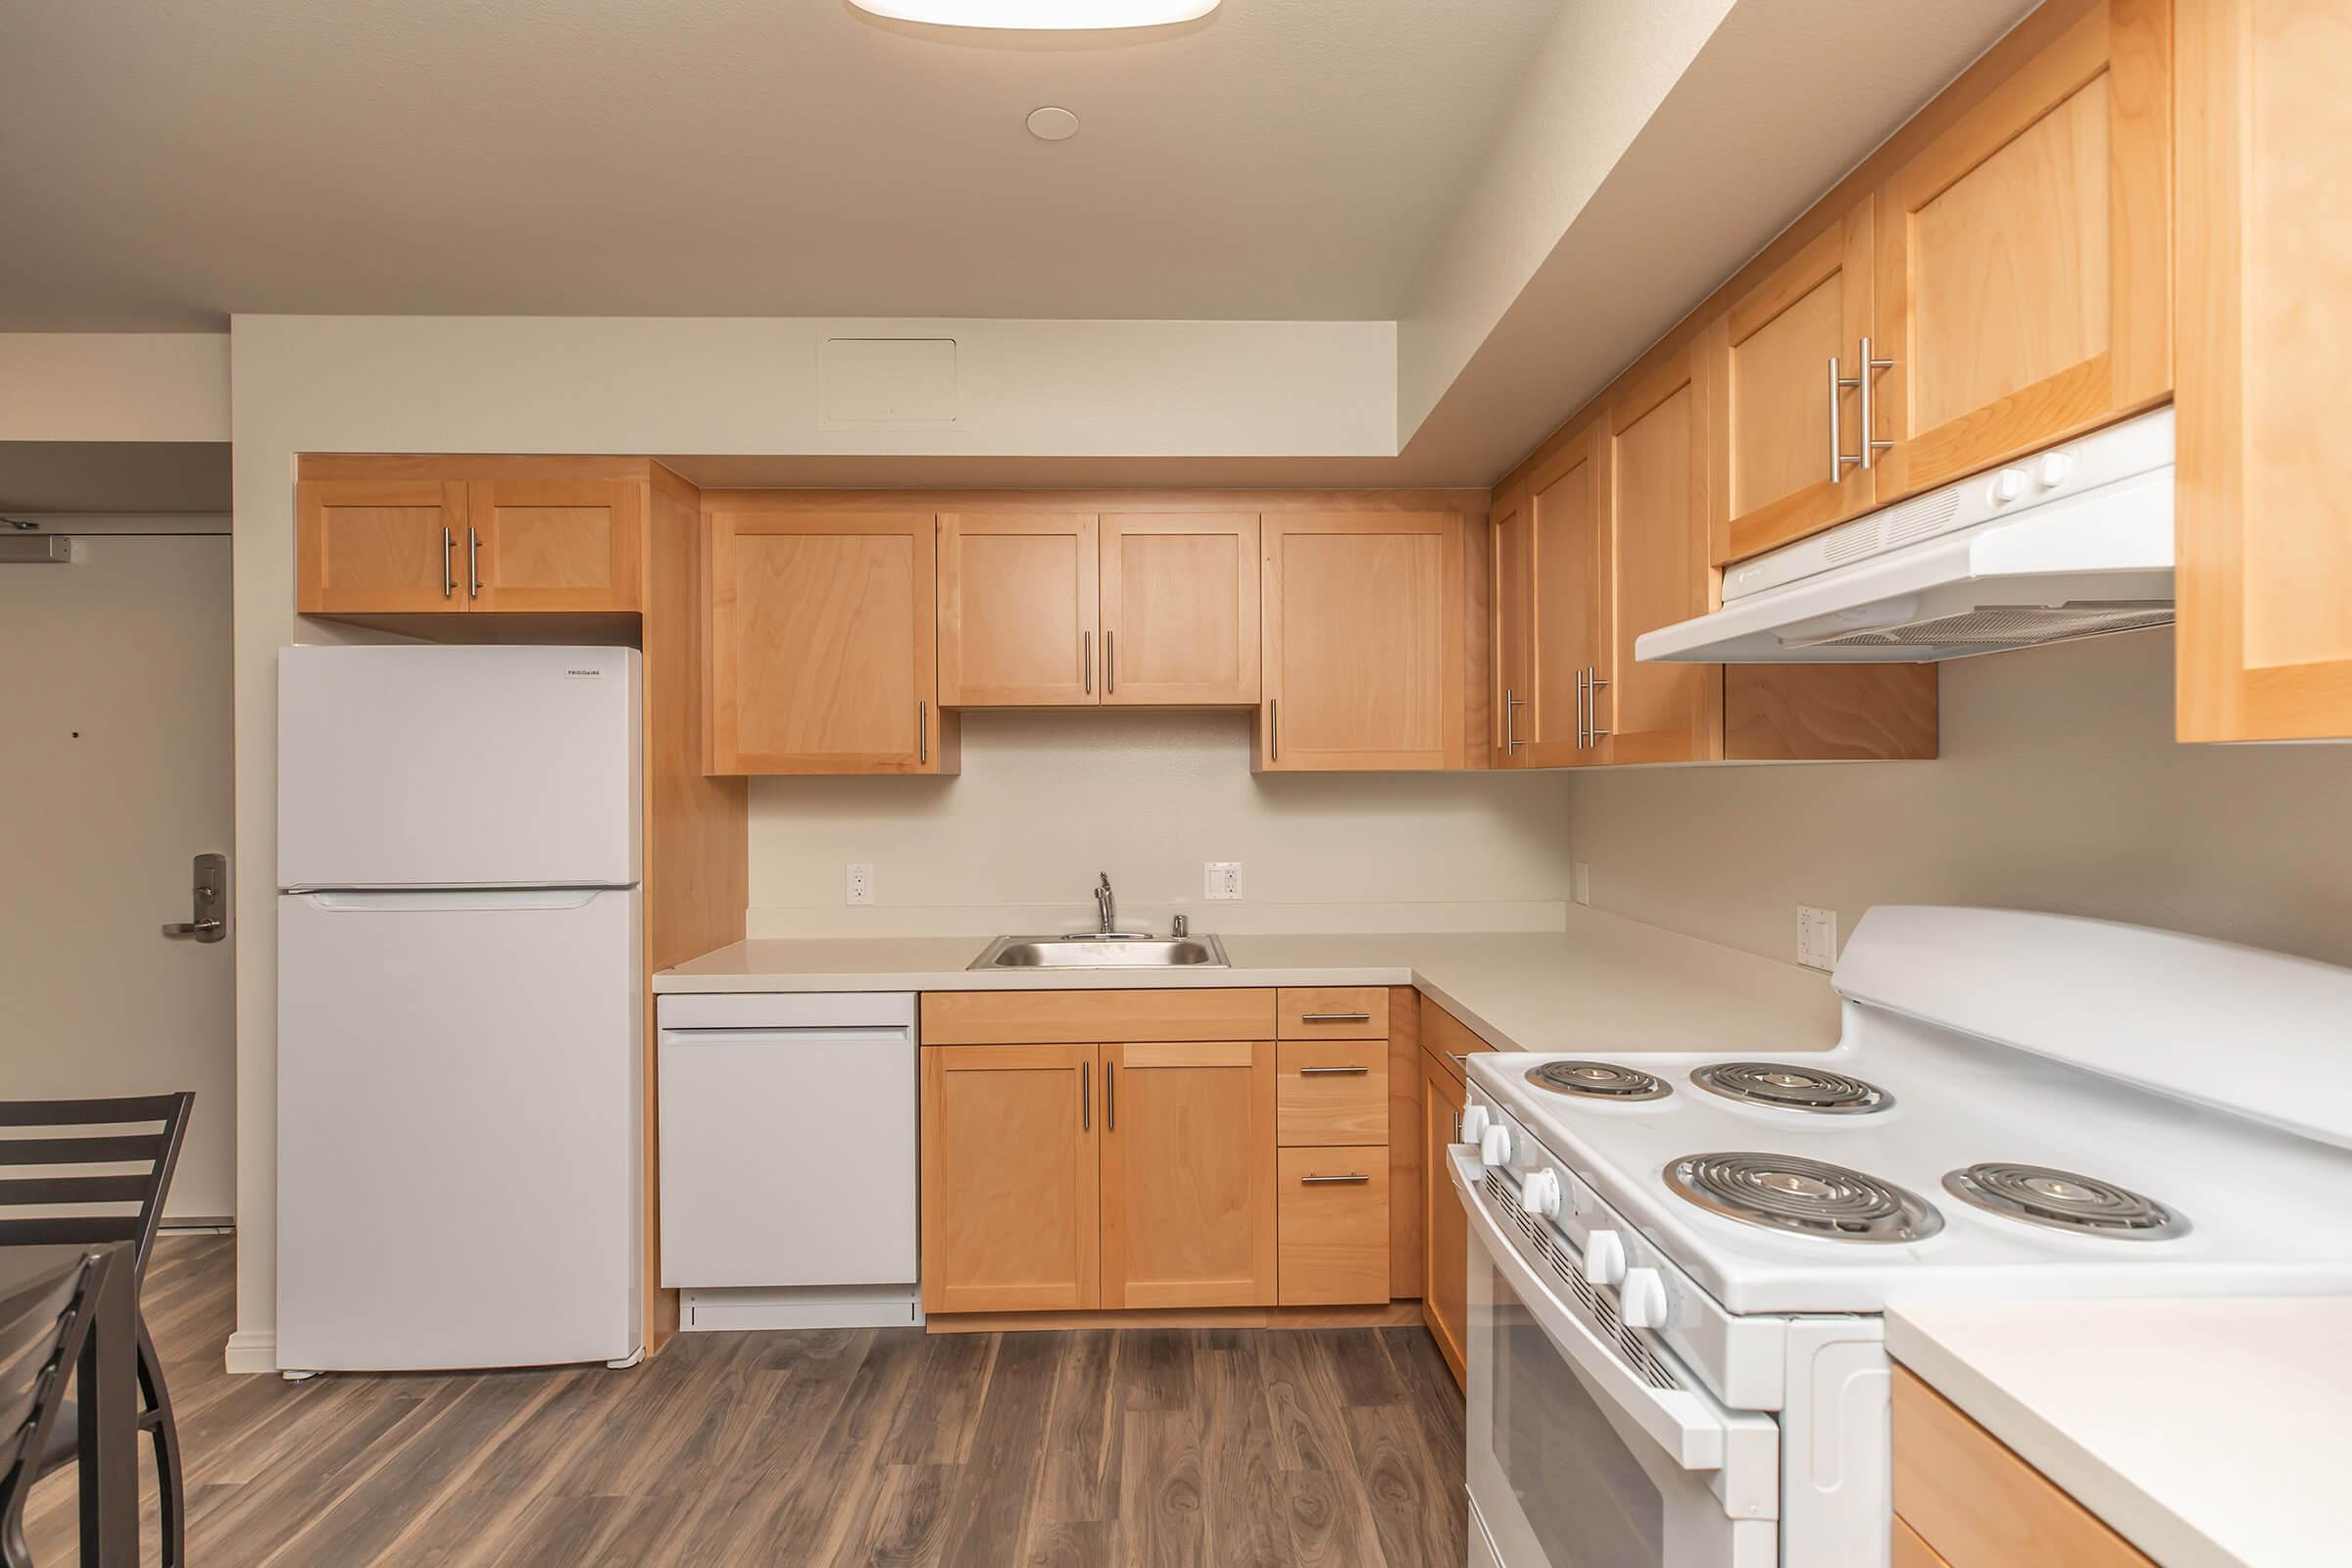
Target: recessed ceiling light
1065,16
1053,124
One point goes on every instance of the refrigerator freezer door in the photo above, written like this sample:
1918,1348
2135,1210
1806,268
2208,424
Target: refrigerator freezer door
425,766
459,1084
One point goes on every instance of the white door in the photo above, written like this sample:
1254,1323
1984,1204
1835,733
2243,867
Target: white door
460,1138
115,720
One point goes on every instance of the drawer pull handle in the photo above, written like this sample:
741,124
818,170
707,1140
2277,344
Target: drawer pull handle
1333,1073
1335,1018
1352,1177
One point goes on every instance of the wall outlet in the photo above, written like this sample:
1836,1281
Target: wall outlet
1580,881
1221,879
862,882
1816,937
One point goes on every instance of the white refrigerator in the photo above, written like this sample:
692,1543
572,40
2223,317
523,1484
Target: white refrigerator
460,1008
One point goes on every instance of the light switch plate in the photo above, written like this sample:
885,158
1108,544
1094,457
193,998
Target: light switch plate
1816,937
862,882
1220,879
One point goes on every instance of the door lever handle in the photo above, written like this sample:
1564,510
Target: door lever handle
201,930
210,875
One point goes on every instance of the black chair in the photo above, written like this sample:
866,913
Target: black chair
142,1193
41,1330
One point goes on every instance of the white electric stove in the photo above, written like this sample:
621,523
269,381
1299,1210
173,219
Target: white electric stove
1678,1262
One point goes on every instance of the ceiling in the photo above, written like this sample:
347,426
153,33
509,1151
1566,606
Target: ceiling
165,165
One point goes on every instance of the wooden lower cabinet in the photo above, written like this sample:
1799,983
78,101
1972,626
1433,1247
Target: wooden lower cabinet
1011,1178
1447,1046
1188,1174
1964,1500
1335,1226
1175,1169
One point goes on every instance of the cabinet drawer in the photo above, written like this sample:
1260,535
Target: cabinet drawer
1331,1226
1334,1012
1448,1038
1332,1092
1977,1504
1094,1018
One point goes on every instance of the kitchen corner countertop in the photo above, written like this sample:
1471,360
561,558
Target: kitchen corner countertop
1604,983
2208,1433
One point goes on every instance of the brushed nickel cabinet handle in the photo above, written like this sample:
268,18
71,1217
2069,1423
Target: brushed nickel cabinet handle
1086,660
1353,1178
473,563
1593,682
448,571
1838,455
1581,695
1333,1073
1110,664
1110,1097
922,731
1335,1018
1871,447
1510,728
1274,724
1086,1097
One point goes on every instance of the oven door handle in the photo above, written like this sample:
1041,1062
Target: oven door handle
1696,1432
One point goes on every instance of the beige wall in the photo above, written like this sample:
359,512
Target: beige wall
1046,800
2060,788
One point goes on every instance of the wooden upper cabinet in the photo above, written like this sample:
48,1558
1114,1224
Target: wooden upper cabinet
1188,1174
1774,365
2024,290
379,547
1510,610
554,544
1363,641
1011,1174
820,644
1567,604
1180,608
2263,649
1019,622
1657,574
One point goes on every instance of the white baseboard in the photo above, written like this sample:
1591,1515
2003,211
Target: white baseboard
253,1350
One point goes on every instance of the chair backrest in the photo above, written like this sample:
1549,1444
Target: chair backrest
40,1329
125,1203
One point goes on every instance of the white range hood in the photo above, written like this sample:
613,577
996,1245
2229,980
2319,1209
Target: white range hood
2073,542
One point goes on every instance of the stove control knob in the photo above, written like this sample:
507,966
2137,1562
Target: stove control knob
1474,1124
2054,469
1540,1194
1642,1300
2008,485
1604,1257
1494,1146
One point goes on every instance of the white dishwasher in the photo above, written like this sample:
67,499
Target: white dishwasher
789,1158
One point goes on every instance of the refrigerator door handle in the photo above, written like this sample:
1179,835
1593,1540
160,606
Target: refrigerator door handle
426,901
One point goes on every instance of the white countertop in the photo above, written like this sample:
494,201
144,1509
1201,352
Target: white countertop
2210,1433
1604,983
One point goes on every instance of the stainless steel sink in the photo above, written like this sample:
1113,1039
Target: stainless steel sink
1116,950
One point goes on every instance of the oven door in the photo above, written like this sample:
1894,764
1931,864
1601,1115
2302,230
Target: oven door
1576,1459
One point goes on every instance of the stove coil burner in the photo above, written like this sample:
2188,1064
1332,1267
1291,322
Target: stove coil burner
2064,1200
1806,1197
1789,1087
1598,1080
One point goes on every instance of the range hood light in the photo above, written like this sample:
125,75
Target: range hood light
1040,15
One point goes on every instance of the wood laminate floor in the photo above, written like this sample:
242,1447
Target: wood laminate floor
1234,1447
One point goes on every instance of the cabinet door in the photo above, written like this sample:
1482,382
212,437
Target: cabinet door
1335,1226
819,643
1363,631
1511,610
1188,1175
1445,1229
554,544
1782,424
1018,610
1011,1178
2024,290
1658,574
1180,608
1568,603
2265,487
365,546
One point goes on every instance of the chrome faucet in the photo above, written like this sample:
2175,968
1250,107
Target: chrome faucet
1104,904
